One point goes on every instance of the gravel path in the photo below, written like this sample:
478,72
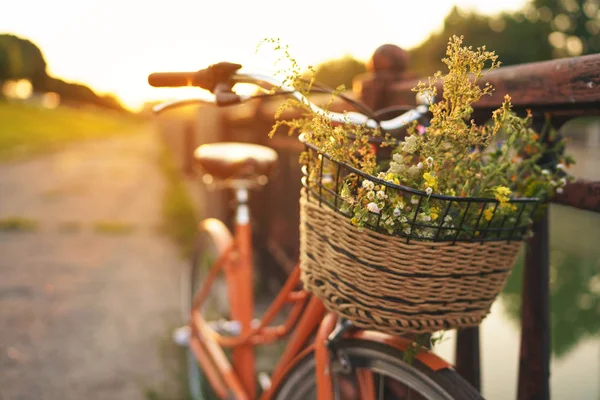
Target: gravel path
88,285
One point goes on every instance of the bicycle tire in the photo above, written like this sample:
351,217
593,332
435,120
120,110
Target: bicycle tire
407,381
204,255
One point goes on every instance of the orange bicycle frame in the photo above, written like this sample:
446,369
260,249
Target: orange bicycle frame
235,260
306,318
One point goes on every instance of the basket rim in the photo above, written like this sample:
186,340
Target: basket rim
305,196
302,138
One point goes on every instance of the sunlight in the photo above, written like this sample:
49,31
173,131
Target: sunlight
50,100
21,89
113,45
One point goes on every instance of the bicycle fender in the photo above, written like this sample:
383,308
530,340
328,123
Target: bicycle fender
427,357
220,234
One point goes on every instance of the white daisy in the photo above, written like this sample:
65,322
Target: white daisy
372,207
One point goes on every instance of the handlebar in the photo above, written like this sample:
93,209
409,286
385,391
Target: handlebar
220,79
172,79
207,78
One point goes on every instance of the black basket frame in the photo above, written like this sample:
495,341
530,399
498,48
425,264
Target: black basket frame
497,228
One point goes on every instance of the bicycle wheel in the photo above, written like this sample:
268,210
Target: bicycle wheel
392,378
215,307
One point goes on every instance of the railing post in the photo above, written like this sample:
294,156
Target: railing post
387,66
468,363
534,358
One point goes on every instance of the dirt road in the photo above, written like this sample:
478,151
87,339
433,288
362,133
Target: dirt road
88,285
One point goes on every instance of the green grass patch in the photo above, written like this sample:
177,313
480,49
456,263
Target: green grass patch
173,360
28,129
113,228
179,215
18,224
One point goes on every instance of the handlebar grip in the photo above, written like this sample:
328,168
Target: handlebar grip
172,79
206,78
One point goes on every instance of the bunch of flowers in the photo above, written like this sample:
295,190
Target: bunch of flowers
420,191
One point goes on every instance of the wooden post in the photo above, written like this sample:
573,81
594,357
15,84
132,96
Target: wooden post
534,358
468,363
387,66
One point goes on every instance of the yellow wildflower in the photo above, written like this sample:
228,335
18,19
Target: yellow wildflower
508,207
502,193
434,213
487,214
390,177
430,180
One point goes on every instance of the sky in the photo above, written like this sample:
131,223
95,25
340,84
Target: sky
112,45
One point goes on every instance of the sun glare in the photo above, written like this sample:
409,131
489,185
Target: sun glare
113,45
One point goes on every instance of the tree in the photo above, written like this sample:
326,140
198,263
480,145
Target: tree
574,25
542,30
21,59
341,71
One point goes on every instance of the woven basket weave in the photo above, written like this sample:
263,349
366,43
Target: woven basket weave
387,283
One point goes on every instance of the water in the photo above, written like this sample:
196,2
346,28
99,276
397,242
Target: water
575,301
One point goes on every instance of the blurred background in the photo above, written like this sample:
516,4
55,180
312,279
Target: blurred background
98,198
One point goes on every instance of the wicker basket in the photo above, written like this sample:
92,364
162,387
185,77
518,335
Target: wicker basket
402,283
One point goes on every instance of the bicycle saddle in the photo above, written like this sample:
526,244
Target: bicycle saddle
232,160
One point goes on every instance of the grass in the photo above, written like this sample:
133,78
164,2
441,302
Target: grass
179,215
18,224
173,361
28,129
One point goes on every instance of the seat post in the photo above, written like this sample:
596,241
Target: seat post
242,213
241,293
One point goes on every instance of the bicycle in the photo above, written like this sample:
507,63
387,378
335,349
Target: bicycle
325,357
